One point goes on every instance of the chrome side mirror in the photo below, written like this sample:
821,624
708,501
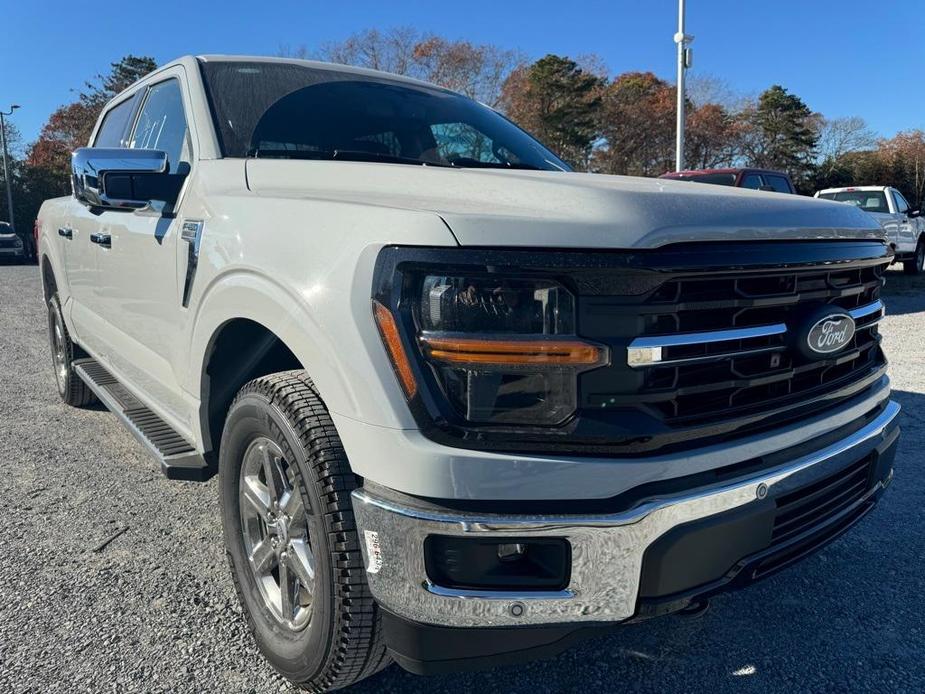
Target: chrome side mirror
122,179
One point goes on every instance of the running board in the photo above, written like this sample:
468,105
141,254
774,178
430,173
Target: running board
178,458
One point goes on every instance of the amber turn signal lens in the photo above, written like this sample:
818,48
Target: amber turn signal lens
388,329
457,350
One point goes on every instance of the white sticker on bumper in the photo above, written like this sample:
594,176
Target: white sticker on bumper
373,552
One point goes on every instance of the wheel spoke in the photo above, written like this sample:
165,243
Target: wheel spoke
257,495
286,590
276,484
293,507
262,557
302,563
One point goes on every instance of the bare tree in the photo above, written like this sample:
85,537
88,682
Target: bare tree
838,136
476,70
702,89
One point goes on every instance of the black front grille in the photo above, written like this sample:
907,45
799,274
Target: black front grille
691,393
7,243
717,388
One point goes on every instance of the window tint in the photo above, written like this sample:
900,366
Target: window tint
294,111
751,181
161,124
778,183
901,204
115,123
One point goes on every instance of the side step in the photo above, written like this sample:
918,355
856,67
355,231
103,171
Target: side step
178,458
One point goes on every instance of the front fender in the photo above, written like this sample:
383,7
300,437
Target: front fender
330,330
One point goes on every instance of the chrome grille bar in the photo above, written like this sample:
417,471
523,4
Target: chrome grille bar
649,351
864,311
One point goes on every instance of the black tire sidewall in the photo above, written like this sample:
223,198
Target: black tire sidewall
297,655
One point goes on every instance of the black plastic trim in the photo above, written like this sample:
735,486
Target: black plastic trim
425,649
593,432
762,562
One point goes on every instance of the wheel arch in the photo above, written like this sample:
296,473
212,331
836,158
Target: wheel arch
49,281
247,325
239,351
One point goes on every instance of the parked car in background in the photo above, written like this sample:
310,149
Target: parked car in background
904,226
757,179
11,246
466,406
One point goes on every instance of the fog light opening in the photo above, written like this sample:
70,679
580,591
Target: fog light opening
498,564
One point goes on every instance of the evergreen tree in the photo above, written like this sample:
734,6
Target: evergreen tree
558,102
780,133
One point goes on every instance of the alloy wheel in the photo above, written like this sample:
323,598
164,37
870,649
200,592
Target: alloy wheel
58,348
274,524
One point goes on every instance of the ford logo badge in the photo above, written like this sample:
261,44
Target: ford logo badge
830,333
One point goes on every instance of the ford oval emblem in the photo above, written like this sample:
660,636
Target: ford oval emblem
830,333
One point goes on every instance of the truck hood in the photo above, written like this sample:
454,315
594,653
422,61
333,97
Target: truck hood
486,207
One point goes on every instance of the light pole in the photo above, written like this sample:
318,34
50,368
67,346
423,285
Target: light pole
684,62
6,166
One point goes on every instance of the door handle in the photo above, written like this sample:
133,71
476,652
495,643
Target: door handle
66,233
104,240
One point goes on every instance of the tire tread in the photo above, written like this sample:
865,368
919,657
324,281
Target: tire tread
357,649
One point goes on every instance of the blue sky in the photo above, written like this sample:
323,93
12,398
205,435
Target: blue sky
843,57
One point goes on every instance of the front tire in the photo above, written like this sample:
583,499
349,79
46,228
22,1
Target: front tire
290,535
916,266
63,351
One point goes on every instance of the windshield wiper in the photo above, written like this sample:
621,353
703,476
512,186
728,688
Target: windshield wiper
341,155
469,163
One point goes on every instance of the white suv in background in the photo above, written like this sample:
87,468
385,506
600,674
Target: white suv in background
904,226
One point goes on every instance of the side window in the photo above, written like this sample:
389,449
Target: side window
778,183
115,123
161,124
751,181
462,141
901,204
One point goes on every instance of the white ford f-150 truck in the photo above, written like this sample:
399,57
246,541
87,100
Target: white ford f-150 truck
465,405
904,226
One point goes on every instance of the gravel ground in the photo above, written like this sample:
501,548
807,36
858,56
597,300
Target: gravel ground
154,610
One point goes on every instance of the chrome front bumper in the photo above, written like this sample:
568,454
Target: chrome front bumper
607,549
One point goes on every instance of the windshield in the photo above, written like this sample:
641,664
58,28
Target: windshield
867,200
292,111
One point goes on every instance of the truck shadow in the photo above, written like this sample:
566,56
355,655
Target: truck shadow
845,619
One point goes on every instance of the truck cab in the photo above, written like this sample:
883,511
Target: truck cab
756,179
904,226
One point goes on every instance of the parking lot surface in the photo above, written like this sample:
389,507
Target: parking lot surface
112,578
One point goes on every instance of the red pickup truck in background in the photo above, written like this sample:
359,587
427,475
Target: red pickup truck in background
758,179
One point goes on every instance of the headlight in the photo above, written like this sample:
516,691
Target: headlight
499,349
